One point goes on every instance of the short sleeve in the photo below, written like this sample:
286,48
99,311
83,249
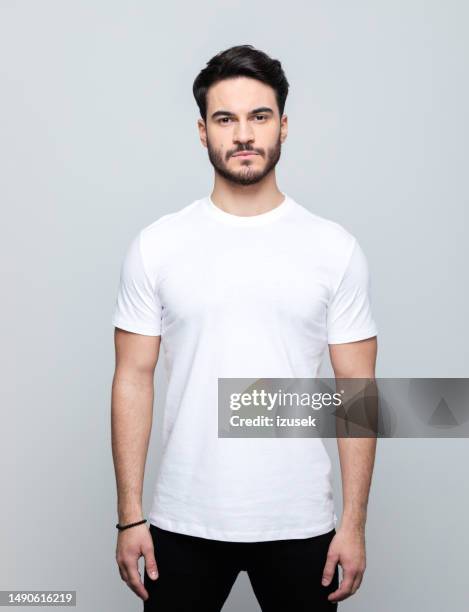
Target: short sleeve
137,307
349,315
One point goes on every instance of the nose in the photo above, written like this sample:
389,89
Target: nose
243,133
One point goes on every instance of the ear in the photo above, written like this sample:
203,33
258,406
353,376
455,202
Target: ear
283,128
202,131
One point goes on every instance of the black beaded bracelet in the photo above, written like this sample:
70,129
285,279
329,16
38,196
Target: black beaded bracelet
121,527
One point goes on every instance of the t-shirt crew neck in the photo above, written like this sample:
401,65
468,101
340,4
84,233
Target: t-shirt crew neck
231,303
244,220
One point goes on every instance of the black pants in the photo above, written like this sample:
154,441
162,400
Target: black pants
198,573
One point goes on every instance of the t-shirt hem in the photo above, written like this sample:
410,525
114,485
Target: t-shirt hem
136,329
202,531
363,334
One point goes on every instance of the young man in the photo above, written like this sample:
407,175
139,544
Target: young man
244,282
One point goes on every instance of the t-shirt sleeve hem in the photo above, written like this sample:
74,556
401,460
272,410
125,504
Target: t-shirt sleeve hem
136,329
354,336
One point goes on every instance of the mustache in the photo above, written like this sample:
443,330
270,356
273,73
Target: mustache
245,149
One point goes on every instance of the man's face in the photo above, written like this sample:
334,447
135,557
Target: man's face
243,117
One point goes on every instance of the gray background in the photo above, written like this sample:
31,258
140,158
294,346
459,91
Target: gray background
99,139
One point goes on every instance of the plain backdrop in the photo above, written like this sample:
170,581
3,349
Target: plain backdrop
99,139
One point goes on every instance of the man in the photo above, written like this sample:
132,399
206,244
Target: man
244,282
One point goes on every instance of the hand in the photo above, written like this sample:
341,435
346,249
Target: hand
132,543
348,548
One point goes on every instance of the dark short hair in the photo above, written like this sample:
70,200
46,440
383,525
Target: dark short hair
242,60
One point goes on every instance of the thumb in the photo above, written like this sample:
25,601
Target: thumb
329,569
150,564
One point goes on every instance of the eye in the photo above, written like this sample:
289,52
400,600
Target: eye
224,120
261,116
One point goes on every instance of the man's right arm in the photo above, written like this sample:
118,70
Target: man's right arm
131,422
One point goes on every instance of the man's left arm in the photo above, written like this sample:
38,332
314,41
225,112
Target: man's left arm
357,455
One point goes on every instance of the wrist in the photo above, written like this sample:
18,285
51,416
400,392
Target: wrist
129,525
129,514
353,522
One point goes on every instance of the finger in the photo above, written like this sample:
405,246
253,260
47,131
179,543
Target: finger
345,588
150,563
357,582
329,569
123,574
122,570
135,581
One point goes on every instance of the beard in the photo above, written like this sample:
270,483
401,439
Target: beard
246,174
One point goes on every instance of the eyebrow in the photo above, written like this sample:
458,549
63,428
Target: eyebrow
261,109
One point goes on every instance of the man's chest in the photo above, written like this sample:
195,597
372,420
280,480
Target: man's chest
245,280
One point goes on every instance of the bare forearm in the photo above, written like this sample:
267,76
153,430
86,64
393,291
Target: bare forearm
131,421
357,457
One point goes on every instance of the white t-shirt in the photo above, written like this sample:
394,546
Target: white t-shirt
241,296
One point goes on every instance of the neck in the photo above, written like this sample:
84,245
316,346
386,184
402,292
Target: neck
246,200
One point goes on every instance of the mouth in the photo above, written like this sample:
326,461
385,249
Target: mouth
244,154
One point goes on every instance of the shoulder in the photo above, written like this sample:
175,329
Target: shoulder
170,221
170,227
158,240
334,240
